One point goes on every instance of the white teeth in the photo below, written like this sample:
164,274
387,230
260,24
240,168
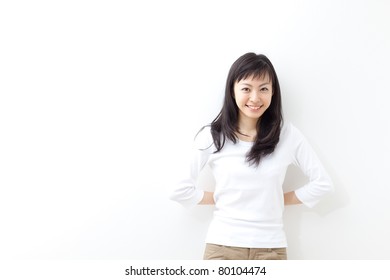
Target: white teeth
253,107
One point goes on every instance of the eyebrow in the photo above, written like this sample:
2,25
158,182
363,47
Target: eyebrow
263,84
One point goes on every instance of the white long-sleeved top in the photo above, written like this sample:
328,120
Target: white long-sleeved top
249,200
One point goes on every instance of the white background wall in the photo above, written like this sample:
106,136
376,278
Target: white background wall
99,100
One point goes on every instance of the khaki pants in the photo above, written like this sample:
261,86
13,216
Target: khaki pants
220,252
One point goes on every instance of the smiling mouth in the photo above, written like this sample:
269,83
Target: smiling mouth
253,107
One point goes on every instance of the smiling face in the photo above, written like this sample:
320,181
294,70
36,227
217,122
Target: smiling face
253,97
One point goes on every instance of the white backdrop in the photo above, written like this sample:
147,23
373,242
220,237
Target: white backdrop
100,100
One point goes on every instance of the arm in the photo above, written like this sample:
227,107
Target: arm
208,199
319,183
185,188
291,199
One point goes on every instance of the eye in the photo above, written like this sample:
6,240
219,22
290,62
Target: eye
264,89
246,89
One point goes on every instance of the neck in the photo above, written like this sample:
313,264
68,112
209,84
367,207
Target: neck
247,128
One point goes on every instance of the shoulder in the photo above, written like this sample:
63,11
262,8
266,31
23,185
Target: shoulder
203,139
291,133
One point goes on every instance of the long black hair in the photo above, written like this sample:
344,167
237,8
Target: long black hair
225,125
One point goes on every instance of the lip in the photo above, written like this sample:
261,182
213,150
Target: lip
253,108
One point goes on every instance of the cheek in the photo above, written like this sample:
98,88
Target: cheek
240,100
267,101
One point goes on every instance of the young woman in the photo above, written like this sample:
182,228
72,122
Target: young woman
249,148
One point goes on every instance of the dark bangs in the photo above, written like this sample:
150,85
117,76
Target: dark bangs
257,69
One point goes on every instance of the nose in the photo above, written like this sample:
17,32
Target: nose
254,96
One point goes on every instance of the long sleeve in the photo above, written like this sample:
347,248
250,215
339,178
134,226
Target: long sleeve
185,190
319,183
